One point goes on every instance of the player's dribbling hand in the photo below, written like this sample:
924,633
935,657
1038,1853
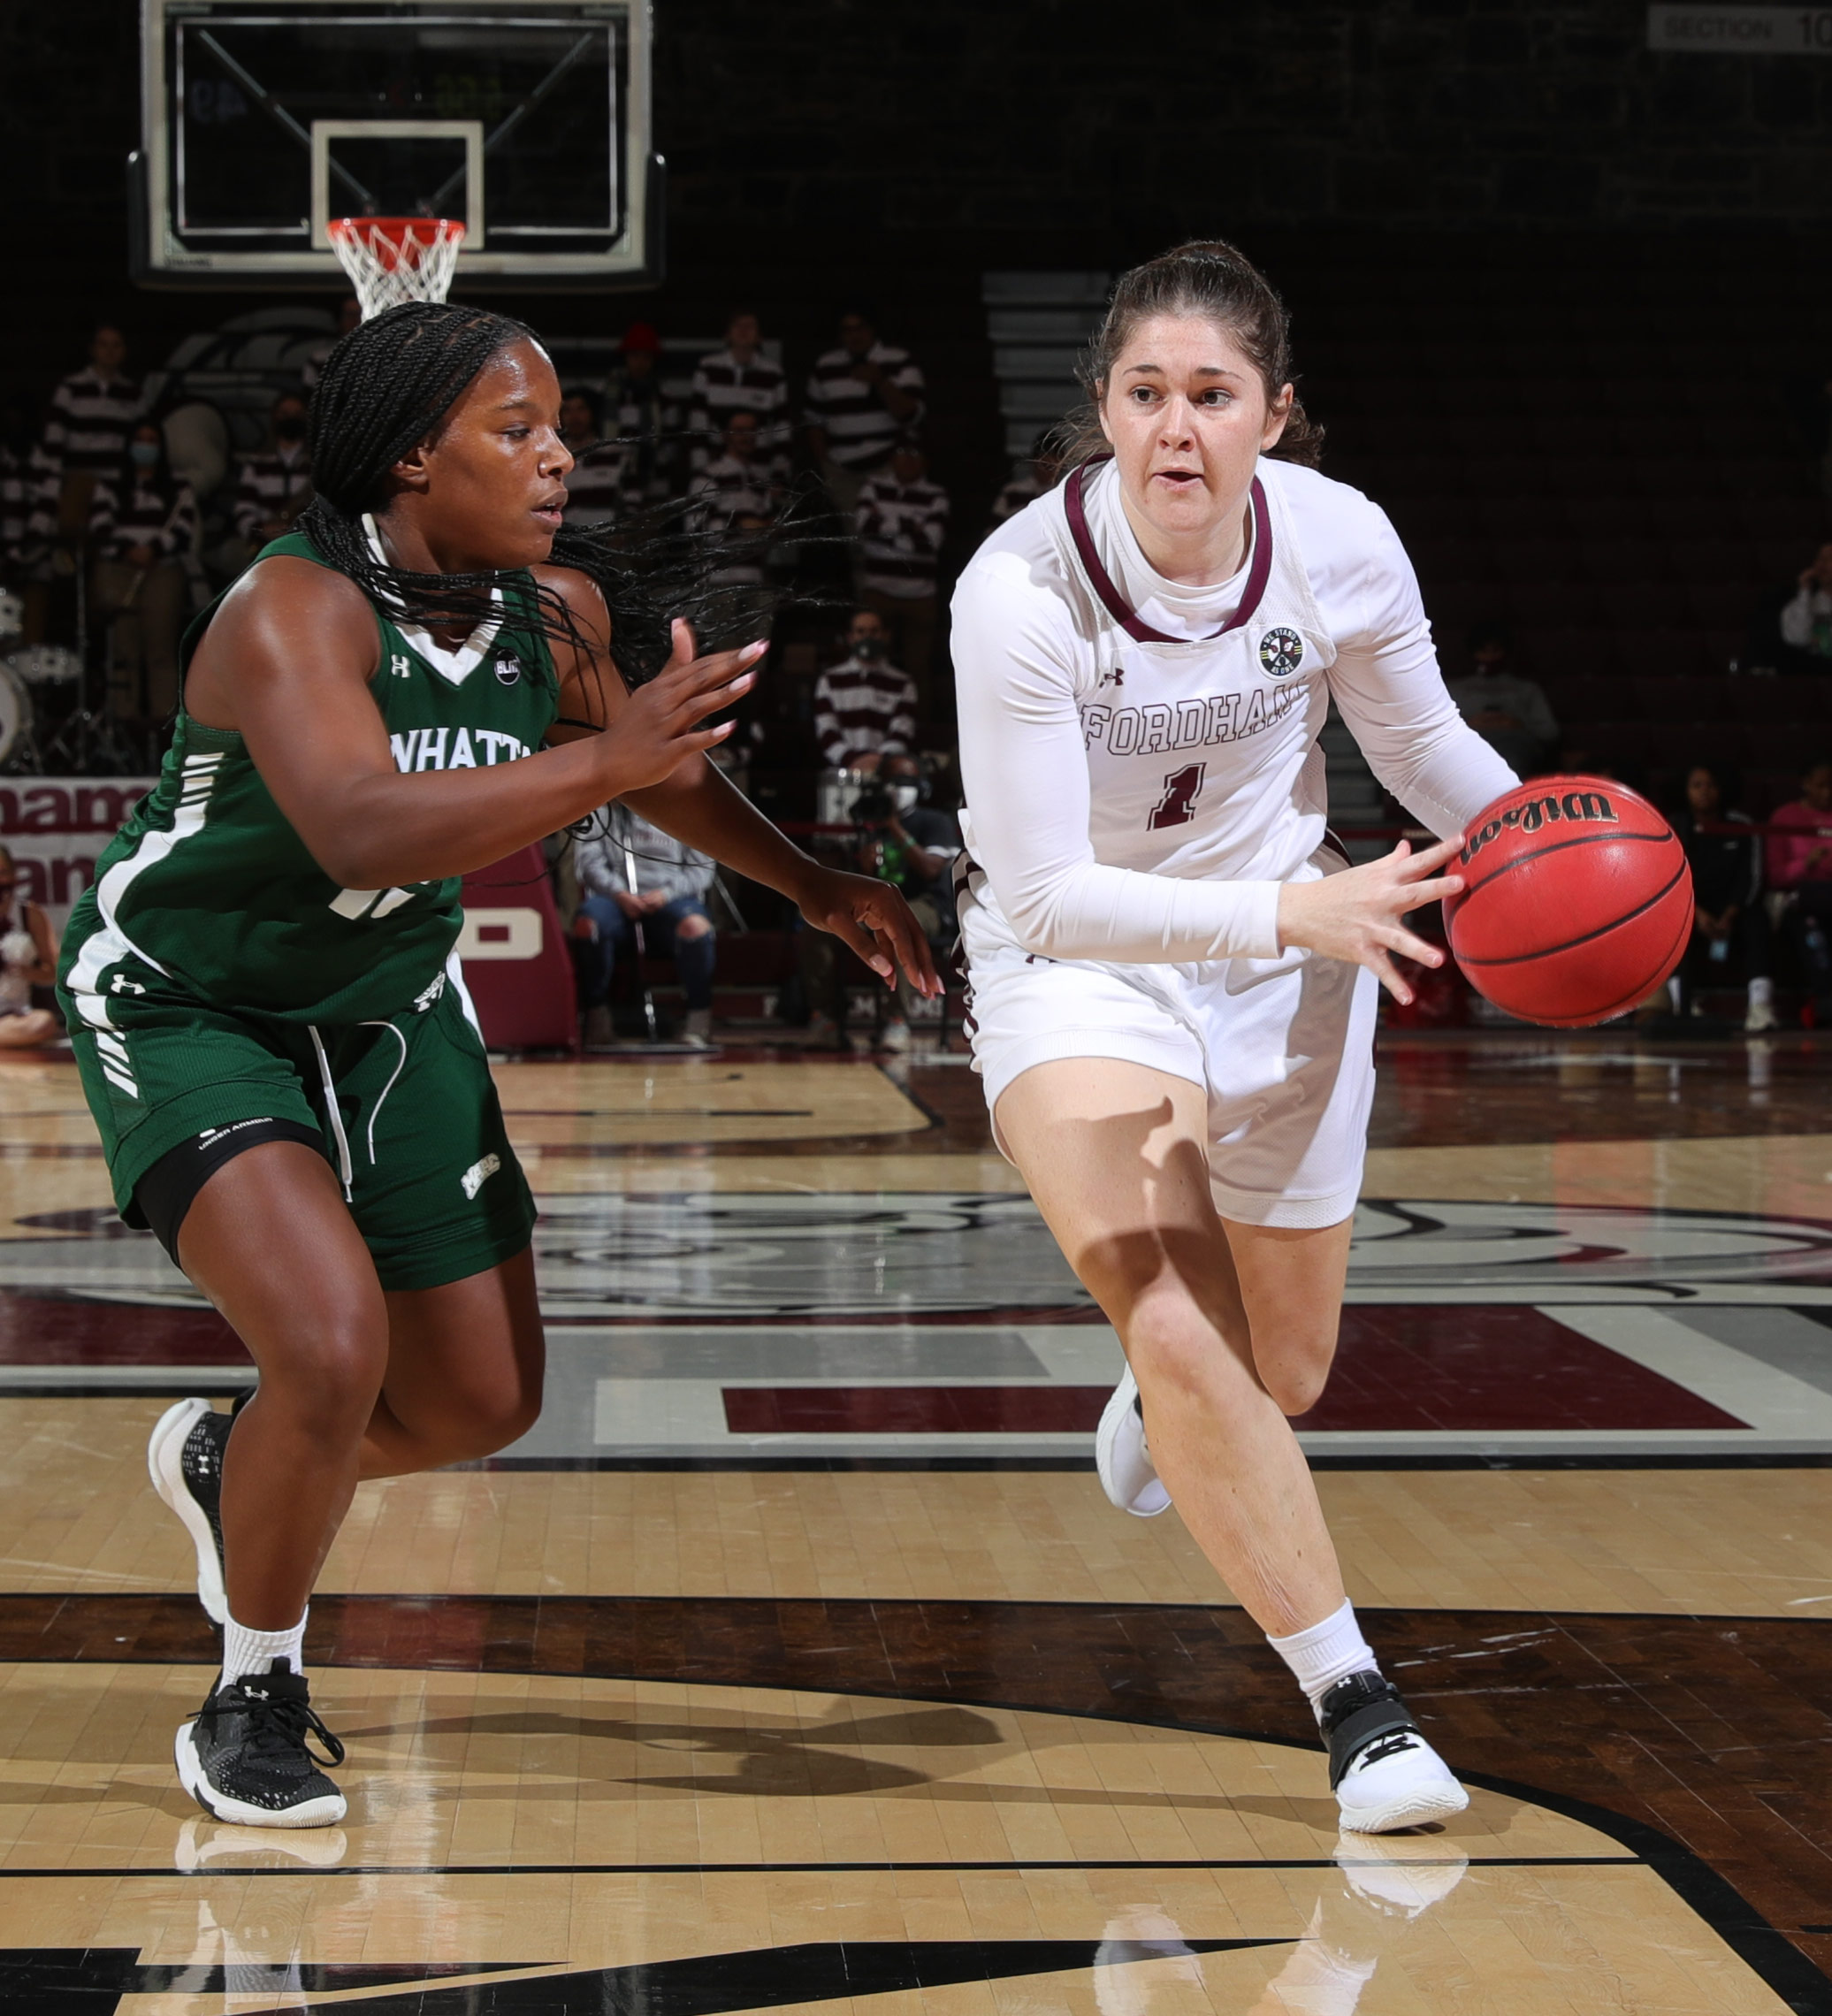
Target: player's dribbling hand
1355,915
874,921
658,728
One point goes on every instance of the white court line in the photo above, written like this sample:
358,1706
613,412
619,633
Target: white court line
1773,1402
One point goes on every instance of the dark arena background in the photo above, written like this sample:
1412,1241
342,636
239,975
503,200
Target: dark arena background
792,1657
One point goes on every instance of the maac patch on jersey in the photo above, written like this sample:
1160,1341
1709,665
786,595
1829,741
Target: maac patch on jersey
1281,651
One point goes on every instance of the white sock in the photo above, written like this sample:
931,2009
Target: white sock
1327,1653
1761,993
254,1652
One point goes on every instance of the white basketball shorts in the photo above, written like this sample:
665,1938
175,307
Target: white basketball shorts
1284,1048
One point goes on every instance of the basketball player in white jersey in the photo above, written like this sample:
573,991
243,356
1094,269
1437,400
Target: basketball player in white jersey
1175,970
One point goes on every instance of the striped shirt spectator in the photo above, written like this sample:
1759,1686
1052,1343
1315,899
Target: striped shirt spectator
859,397
903,518
1029,479
864,708
93,411
274,487
597,483
648,419
739,378
132,510
349,315
270,491
739,492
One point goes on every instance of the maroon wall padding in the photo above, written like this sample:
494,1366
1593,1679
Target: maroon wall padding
516,962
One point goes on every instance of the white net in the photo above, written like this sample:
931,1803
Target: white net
394,259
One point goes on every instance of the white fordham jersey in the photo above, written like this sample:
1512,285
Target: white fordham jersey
1141,757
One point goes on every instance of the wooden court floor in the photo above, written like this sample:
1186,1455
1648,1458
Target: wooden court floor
794,1660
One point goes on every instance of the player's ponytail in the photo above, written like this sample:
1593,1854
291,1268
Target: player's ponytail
1209,278
388,386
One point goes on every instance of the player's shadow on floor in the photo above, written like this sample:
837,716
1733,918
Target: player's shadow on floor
791,1759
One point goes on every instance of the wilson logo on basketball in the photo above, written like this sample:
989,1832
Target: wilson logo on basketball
1574,807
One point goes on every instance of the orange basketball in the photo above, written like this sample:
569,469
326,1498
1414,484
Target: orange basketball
1577,901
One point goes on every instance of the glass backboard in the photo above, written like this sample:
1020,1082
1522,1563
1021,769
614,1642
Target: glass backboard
528,121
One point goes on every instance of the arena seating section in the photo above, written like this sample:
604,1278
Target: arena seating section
1604,447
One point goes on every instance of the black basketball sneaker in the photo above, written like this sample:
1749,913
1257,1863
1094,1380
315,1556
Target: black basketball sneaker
184,1457
245,1755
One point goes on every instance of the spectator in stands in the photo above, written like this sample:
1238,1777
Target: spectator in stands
865,707
902,839
92,413
735,495
1029,479
648,421
143,523
349,313
636,878
739,378
275,486
1799,877
903,518
1806,621
28,959
595,483
923,840
860,396
1729,925
1507,710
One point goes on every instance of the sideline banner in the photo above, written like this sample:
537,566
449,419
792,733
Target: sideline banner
513,945
56,827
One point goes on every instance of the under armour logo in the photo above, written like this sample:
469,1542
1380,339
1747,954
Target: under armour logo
121,984
401,665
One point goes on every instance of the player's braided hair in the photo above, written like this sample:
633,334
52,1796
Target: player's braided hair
1211,279
388,386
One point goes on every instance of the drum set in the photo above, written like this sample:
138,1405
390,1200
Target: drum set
39,684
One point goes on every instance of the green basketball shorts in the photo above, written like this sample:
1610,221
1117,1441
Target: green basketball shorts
405,1108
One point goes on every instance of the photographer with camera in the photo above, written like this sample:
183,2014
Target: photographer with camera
907,841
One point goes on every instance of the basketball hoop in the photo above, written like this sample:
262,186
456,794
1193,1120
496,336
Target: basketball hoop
394,259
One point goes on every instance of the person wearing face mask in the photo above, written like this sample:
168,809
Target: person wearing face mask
276,486
912,844
143,524
865,707
28,959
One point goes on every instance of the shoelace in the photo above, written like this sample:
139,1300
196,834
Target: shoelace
279,1724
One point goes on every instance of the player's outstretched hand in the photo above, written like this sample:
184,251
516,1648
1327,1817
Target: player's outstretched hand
658,728
1355,915
873,918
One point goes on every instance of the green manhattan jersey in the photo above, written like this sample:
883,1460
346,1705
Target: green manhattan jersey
209,883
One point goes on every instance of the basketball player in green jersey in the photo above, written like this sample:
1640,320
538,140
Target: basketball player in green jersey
272,1032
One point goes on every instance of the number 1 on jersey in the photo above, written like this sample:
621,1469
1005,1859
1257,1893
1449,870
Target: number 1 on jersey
1182,789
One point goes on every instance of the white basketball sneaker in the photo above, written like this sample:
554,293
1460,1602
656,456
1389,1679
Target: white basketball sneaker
1383,1772
1127,1474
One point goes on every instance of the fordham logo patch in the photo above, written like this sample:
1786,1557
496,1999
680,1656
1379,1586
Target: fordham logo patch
508,668
1281,651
